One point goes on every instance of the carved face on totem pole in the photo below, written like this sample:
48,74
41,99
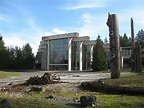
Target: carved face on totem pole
111,34
110,24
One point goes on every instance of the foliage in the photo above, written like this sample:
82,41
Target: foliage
28,57
3,54
125,41
16,58
140,38
21,58
99,56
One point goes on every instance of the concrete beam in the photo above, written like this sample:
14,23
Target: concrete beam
66,35
84,38
90,42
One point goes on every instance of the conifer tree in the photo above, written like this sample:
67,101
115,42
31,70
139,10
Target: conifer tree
99,56
3,54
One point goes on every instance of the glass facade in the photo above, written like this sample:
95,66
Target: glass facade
75,55
58,50
86,57
65,52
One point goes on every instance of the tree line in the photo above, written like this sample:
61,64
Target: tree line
16,57
126,41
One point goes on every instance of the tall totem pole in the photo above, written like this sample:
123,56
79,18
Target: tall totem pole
112,23
133,57
136,64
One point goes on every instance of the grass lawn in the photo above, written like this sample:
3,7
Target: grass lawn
4,74
129,81
37,100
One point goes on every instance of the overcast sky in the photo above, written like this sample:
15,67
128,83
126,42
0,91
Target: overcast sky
26,21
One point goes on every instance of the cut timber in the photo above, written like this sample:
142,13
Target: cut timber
104,88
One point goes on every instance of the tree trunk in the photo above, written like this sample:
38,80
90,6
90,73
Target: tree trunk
104,88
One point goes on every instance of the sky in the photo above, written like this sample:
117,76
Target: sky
26,21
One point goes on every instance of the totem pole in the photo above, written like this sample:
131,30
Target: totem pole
138,66
133,57
136,61
112,23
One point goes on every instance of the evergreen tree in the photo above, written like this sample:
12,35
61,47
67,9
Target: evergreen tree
3,55
18,58
125,41
11,59
28,56
99,56
140,38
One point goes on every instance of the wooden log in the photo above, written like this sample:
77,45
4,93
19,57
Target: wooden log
104,88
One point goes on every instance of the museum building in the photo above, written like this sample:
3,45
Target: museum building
65,52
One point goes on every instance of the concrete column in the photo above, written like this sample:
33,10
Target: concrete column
48,55
80,61
121,61
91,53
69,54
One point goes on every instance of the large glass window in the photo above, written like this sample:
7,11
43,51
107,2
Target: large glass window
58,50
86,57
75,55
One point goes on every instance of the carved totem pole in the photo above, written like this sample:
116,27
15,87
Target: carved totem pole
136,53
112,23
133,57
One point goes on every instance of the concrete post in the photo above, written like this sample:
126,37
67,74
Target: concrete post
121,61
69,54
91,53
80,59
48,55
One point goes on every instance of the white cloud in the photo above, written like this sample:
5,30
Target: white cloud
14,41
54,31
58,31
93,25
124,20
47,34
5,18
85,4
22,37
33,26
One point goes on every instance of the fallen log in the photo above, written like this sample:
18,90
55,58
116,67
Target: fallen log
100,86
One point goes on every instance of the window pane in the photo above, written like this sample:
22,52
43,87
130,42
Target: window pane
58,51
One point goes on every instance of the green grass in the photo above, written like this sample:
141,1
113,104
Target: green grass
4,74
36,100
130,81
27,101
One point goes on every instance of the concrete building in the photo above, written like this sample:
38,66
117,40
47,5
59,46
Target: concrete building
126,56
65,52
